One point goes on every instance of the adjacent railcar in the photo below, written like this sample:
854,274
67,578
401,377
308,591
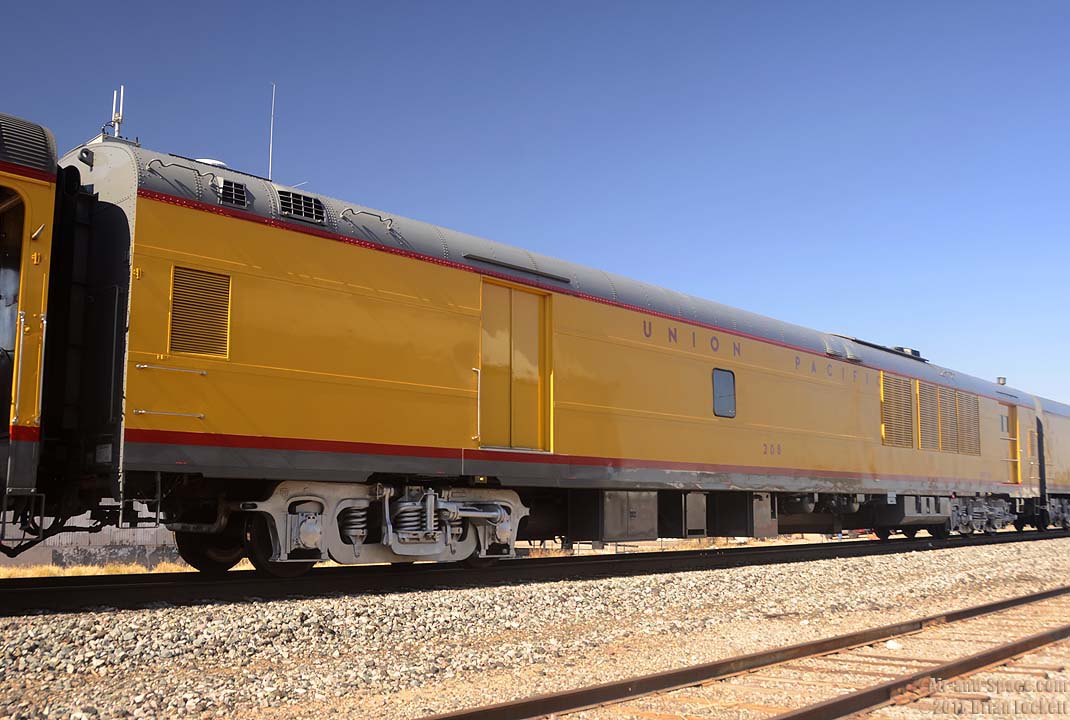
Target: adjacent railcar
28,188
291,377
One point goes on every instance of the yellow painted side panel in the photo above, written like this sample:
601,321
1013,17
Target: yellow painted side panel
496,367
527,370
335,342
38,198
633,386
636,387
327,340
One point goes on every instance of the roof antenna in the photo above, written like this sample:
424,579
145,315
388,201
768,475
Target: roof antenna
271,130
117,117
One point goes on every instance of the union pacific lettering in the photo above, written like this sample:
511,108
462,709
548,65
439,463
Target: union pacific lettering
829,370
704,341
675,335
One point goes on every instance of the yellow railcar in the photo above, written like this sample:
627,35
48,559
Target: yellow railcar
27,196
294,377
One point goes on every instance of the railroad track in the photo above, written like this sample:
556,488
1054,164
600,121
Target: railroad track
1036,684
836,677
66,594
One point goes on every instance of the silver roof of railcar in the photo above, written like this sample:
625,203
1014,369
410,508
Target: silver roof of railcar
186,178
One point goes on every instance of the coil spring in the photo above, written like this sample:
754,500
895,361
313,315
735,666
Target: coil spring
353,523
457,527
408,517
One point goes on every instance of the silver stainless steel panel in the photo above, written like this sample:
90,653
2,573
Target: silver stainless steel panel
629,515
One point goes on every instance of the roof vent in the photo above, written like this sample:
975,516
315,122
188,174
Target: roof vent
908,351
300,206
232,193
1001,380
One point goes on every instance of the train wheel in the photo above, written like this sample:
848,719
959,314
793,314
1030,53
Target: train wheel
258,548
882,533
475,562
1019,524
211,553
910,533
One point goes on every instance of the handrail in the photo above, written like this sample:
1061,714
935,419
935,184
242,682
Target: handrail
18,364
41,374
199,416
145,366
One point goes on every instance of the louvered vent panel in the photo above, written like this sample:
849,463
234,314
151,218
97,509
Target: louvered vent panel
200,312
969,424
233,193
929,417
949,421
897,411
27,144
301,206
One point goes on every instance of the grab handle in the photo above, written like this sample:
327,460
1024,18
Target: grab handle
21,340
479,404
41,380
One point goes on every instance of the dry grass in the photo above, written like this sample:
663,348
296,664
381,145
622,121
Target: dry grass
113,569
696,543
77,570
538,552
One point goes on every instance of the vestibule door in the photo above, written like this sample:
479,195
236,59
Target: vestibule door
513,371
1008,422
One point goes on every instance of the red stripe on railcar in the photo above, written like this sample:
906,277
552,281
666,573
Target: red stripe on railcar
29,172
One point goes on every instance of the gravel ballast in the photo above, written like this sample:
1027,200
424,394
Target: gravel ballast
411,654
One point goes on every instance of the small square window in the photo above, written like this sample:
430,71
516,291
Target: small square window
724,393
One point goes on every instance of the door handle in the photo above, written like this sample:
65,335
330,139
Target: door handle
479,404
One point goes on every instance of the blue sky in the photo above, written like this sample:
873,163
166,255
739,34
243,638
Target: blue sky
899,172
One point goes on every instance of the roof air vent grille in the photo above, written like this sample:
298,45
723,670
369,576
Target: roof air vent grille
233,193
300,206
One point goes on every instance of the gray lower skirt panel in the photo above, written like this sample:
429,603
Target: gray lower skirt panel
530,471
258,463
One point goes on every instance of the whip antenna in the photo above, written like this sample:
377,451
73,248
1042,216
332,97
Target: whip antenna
117,115
271,130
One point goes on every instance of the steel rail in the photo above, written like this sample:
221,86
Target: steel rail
569,701
877,695
22,596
